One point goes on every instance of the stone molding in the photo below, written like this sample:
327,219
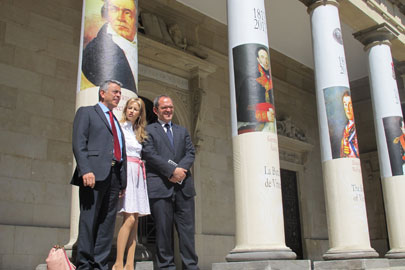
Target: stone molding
163,76
313,4
381,9
293,150
171,60
376,35
185,74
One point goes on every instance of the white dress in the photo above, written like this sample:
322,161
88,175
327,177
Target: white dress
136,195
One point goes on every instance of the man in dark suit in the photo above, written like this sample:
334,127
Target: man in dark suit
112,53
169,155
99,150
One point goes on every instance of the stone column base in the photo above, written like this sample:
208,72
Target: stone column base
398,254
264,265
346,255
352,264
245,256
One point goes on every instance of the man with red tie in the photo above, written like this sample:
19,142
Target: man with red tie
99,150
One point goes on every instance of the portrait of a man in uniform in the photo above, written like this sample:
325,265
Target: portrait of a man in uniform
254,89
112,54
394,129
341,124
349,145
400,141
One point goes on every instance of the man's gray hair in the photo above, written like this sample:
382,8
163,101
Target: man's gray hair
104,86
156,100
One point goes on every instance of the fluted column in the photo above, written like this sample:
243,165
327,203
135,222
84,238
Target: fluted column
344,195
258,201
390,130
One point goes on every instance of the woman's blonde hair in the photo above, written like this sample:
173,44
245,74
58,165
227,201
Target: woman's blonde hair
140,122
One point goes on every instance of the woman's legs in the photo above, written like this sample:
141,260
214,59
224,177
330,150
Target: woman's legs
131,244
123,238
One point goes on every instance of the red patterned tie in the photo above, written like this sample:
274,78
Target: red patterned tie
117,148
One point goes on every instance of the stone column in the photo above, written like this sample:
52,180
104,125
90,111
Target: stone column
390,130
344,195
259,210
92,73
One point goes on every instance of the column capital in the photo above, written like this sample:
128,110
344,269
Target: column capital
378,34
312,4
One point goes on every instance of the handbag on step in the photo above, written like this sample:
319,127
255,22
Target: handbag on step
58,260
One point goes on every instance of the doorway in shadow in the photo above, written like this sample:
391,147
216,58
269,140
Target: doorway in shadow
292,225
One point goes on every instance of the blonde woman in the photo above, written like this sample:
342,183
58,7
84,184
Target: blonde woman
135,202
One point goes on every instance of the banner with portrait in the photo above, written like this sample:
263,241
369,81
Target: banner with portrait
109,49
341,125
394,129
258,197
253,89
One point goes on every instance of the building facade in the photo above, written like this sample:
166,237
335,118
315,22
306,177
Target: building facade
39,52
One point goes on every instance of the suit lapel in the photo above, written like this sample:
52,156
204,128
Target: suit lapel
123,150
163,134
102,116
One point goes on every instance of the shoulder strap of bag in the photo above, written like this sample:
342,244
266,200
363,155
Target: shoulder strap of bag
71,267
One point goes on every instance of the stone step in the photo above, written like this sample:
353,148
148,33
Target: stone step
264,265
353,264
147,265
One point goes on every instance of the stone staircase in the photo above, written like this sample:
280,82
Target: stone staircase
354,264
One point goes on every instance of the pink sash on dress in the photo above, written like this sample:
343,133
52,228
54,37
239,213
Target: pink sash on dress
140,164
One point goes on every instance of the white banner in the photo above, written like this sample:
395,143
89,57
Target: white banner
389,123
258,200
251,84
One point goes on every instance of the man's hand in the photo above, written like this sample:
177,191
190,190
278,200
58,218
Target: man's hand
122,193
89,180
179,174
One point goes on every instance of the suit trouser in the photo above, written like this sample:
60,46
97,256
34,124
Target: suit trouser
179,209
98,209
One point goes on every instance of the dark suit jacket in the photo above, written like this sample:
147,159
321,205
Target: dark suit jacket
157,151
93,146
103,60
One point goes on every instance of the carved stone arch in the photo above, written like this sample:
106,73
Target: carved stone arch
181,108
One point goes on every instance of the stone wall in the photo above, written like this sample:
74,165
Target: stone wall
214,168
38,65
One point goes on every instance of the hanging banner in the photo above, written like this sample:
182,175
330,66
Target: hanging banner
394,129
343,183
253,88
109,49
251,83
258,198
342,129
387,110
